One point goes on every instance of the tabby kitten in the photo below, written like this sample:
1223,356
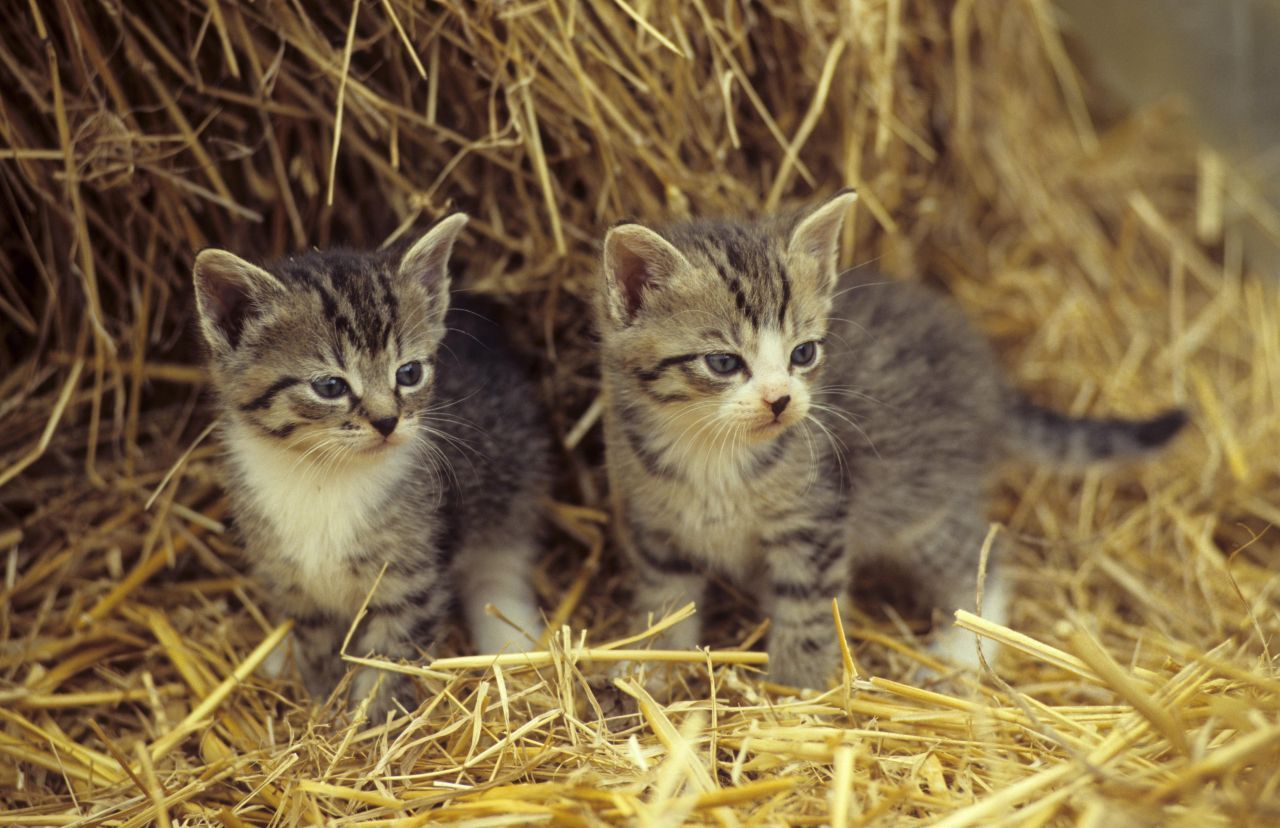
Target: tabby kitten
367,426
763,426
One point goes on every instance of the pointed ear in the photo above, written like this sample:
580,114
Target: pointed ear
817,236
229,291
636,260
428,259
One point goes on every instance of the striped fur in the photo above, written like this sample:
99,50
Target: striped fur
882,450
445,500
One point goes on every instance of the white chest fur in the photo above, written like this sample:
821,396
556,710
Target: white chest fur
318,515
713,512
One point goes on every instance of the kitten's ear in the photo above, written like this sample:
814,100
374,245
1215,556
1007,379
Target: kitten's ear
636,259
428,259
817,236
229,291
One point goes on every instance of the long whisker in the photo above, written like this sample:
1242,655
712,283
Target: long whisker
860,285
849,391
320,449
857,325
826,409
436,462
811,476
837,447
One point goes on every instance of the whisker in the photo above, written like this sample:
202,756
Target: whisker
840,276
826,409
848,391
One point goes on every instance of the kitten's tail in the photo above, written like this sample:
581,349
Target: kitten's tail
1051,437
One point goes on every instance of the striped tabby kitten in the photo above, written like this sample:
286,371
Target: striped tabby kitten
365,426
763,426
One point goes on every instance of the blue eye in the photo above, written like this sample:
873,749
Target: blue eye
804,353
724,364
409,374
330,388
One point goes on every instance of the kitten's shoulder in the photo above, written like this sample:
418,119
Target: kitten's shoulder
481,369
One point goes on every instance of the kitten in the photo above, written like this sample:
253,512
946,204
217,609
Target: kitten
763,426
365,426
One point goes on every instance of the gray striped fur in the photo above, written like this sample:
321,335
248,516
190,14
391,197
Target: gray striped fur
884,449
447,502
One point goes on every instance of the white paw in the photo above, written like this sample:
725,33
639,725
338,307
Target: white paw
959,648
493,635
658,677
276,664
793,667
395,692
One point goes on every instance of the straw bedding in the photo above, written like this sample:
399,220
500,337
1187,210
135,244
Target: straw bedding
1137,684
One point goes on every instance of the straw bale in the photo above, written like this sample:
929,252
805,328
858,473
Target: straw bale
1137,683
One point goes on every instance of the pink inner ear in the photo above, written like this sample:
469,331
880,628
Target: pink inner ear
226,293
429,267
225,298
632,273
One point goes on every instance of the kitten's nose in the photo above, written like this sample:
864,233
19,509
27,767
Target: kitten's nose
780,405
385,426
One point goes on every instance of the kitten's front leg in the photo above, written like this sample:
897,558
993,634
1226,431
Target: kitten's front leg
497,571
948,559
807,567
666,581
318,636
386,633
317,631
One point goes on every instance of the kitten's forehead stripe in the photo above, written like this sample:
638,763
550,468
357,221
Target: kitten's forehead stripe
371,327
744,307
750,264
733,252
355,295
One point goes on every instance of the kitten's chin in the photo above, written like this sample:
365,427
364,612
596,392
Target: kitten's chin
767,431
378,449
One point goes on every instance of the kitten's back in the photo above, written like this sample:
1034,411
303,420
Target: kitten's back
922,379
939,387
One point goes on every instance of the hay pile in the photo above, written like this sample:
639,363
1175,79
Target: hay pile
1139,686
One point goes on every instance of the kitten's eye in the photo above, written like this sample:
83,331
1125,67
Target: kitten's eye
724,363
804,353
409,374
330,388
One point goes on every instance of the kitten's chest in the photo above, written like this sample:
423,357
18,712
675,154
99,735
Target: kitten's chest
719,525
318,531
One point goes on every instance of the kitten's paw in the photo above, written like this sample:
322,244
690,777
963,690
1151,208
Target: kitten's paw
794,667
658,680
500,637
959,648
658,677
391,692
276,664
320,676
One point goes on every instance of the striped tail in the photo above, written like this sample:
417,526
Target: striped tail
1050,437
